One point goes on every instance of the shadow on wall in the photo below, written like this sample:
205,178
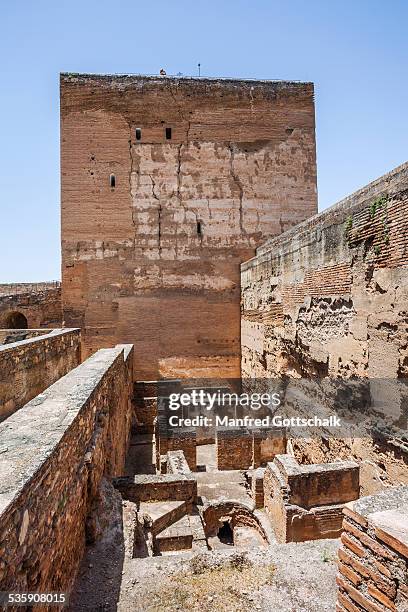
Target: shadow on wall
15,320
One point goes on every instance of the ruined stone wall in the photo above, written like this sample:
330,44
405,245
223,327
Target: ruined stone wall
374,553
329,298
154,259
40,305
74,436
160,487
30,366
15,288
305,502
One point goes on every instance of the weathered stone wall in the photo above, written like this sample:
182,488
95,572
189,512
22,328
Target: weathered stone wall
155,258
40,305
374,553
30,366
16,288
8,336
305,502
161,487
233,448
145,406
329,298
176,463
73,435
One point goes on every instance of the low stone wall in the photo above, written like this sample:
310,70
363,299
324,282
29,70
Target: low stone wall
161,487
18,288
8,336
305,502
173,440
54,453
374,553
30,366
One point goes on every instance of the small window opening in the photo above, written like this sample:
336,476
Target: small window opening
138,133
168,133
199,228
225,534
112,181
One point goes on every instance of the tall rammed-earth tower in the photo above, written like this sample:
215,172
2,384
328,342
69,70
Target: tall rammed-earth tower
168,184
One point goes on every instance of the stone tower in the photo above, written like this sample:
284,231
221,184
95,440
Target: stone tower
168,184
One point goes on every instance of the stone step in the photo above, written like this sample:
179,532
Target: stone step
161,515
178,536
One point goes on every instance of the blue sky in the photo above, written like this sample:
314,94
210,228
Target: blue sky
354,51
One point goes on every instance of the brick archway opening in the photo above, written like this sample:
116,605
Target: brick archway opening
15,320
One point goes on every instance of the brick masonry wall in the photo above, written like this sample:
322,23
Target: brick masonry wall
40,305
74,434
374,553
30,366
233,449
328,298
305,502
155,259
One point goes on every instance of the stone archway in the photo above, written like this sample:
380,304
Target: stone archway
15,320
227,518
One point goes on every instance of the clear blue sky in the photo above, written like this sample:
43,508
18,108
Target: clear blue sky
355,51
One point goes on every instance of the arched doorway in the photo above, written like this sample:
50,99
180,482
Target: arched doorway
16,320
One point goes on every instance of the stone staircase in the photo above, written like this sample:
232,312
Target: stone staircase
171,528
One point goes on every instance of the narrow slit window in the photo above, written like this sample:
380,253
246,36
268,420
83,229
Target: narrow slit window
199,228
168,133
138,133
112,181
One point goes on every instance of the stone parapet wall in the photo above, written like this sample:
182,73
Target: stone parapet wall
30,366
17,288
373,555
55,452
8,336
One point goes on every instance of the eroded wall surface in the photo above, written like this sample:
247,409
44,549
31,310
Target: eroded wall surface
40,303
154,259
374,553
30,366
329,298
52,496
